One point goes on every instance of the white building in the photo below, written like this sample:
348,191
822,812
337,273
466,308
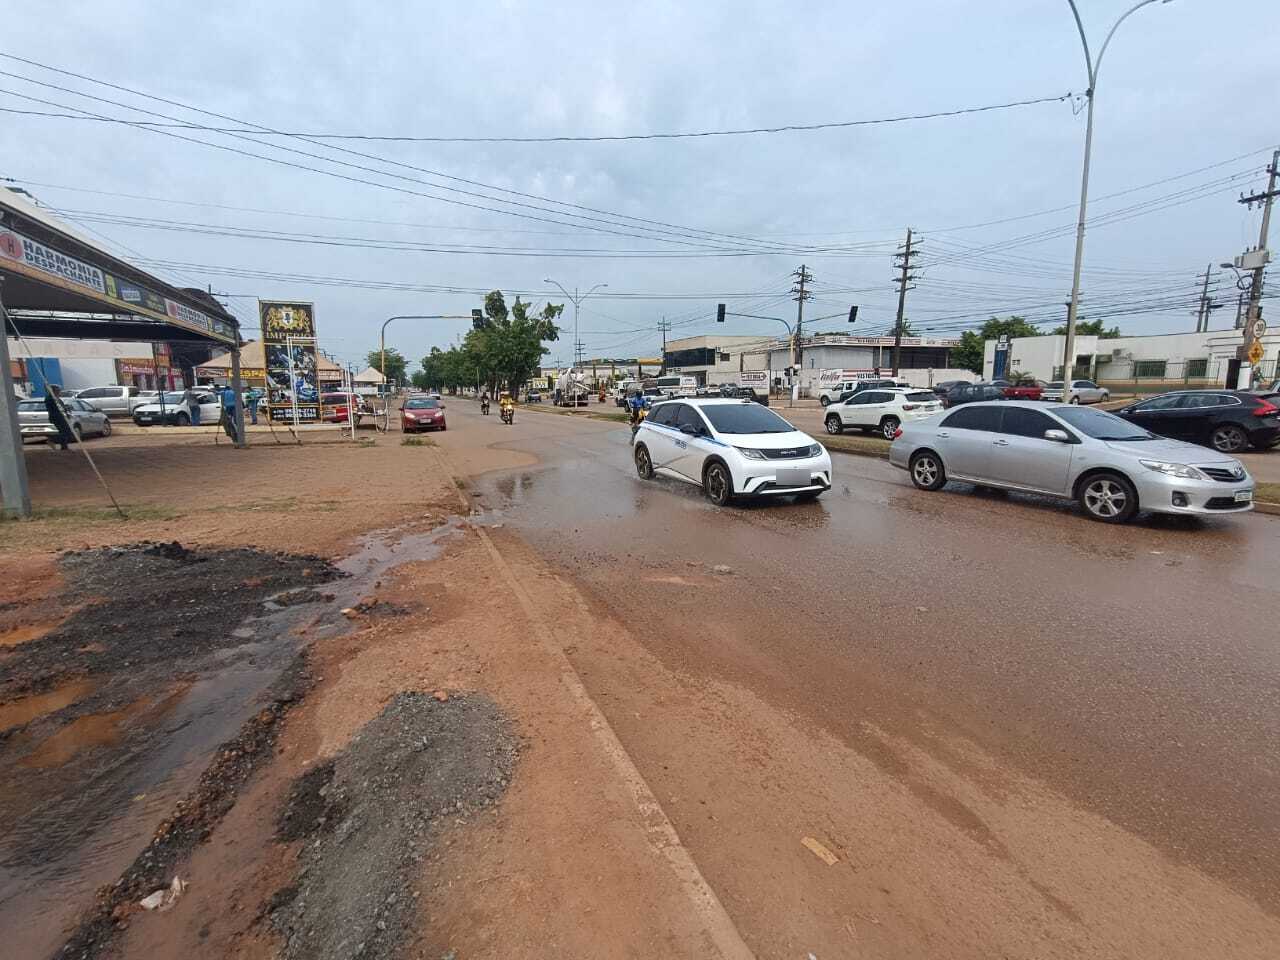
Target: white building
94,363
718,359
1144,364
714,359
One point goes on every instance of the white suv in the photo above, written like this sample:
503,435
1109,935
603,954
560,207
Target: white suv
882,410
730,448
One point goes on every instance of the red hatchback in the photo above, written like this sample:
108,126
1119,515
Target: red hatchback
422,413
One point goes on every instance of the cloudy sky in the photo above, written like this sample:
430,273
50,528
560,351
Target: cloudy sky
671,225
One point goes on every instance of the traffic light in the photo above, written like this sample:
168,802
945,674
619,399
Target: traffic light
719,313
477,319
853,313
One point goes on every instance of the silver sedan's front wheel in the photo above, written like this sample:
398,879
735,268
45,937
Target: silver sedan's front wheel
1109,498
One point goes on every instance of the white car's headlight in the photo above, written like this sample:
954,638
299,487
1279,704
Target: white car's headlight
750,454
1173,469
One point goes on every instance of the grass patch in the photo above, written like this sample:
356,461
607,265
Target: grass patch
863,446
366,442
460,483
62,517
616,416
416,442
1267,492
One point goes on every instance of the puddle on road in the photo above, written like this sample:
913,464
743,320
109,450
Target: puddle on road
99,729
24,710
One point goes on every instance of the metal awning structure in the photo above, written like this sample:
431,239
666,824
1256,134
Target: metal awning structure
57,282
47,266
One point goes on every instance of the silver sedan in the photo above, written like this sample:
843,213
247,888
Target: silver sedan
86,420
1110,467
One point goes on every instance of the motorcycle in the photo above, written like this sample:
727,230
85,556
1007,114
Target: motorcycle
508,414
484,407
637,418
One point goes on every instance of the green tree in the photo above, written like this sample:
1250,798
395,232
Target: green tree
397,365
968,354
508,347
1089,328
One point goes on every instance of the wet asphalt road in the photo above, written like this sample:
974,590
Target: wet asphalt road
1136,669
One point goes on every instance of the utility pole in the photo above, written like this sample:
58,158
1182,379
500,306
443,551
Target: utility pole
802,277
663,325
903,256
1250,351
1207,304
576,299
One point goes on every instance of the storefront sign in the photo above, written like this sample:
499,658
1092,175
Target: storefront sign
40,261
289,343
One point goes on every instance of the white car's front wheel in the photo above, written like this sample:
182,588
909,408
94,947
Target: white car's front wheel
834,426
718,484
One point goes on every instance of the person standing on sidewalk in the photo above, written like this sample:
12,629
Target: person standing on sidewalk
229,412
193,408
58,415
252,398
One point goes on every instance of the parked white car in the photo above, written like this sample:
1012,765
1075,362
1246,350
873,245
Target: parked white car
176,411
1082,391
882,410
730,448
834,391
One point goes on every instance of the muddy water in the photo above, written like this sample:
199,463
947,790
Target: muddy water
92,766
1135,669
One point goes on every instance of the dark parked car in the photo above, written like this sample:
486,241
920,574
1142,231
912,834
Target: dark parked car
943,388
971,393
1230,421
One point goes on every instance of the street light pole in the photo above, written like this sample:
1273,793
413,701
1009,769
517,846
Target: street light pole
382,338
576,300
1068,354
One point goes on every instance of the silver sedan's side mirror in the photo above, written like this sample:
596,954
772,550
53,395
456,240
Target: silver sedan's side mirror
1057,436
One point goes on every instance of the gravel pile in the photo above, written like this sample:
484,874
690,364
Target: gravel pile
369,817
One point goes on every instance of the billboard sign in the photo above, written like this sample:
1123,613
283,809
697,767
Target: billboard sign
289,342
40,261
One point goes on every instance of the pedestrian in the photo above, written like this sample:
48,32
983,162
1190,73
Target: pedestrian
252,398
229,412
193,408
58,415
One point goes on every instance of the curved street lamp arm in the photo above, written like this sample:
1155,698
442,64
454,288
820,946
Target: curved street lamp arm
1111,33
1084,41
562,289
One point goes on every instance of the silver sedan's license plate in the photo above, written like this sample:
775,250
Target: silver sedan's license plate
1244,496
793,478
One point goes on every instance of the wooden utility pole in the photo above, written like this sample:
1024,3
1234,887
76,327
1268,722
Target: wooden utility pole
1251,349
1207,306
903,256
802,278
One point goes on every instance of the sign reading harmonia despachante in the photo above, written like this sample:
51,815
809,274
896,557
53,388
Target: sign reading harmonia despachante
289,345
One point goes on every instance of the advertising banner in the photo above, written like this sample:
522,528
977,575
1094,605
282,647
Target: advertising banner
27,256
289,342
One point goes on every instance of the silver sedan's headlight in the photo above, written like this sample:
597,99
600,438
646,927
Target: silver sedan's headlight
1180,470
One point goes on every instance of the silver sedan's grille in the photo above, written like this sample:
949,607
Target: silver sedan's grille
1222,474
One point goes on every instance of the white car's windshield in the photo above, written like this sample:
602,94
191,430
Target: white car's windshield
172,398
1102,425
745,418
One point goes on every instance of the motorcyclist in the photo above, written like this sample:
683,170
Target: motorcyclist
484,402
636,403
507,406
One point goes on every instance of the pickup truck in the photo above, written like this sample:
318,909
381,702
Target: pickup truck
1026,390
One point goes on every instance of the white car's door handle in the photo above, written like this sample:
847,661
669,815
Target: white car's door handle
942,435
1000,443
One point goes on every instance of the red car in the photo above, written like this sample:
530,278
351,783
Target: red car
1026,390
422,413
333,407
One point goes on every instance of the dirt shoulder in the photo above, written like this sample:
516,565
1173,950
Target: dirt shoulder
575,858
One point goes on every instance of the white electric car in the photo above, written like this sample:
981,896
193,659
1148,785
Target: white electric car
731,448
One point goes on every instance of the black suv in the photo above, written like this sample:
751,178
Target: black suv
971,393
1230,421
